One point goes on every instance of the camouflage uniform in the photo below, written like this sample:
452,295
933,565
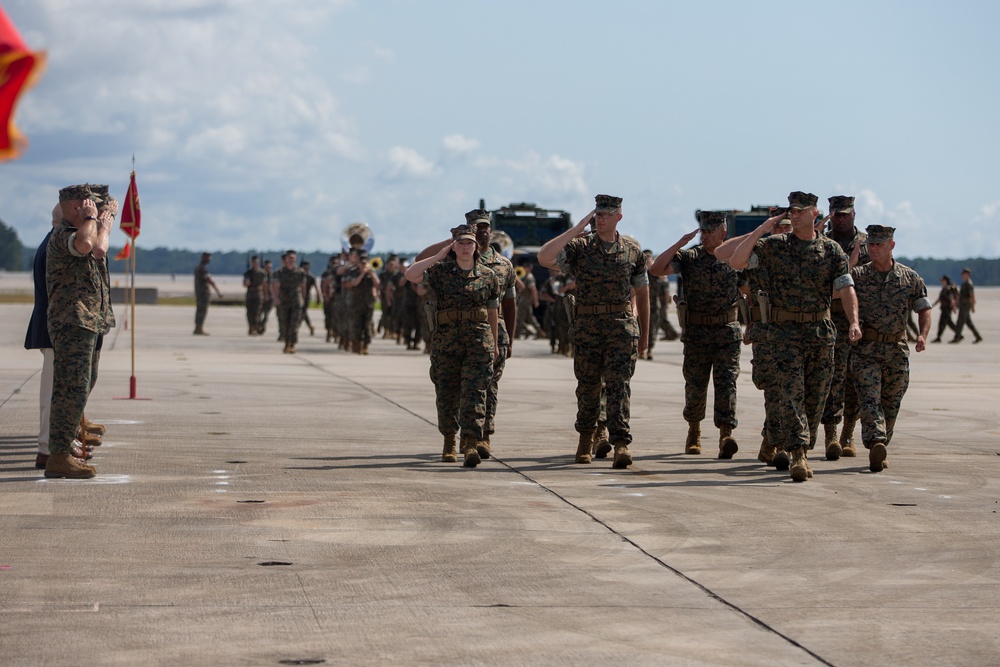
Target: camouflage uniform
965,296
842,402
655,311
201,295
504,270
268,300
79,293
711,335
408,307
605,344
462,350
803,276
763,369
880,360
948,298
255,296
359,306
526,309
290,282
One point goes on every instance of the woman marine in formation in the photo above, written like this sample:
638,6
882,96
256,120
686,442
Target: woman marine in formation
463,343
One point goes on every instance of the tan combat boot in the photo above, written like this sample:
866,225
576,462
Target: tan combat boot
877,458
89,439
470,452
450,452
584,446
799,468
622,458
727,444
847,439
364,349
94,427
291,348
781,459
483,447
693,443
602,446
766,453
66,465
833,448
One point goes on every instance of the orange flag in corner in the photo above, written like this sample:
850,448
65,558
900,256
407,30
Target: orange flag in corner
125,252
131,214
19,70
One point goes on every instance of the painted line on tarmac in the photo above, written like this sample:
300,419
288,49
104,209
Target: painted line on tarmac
705,589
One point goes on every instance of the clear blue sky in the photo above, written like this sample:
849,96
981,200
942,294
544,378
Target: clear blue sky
275,124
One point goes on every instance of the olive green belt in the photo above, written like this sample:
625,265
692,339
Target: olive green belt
604,308
725,318
456,315
779,315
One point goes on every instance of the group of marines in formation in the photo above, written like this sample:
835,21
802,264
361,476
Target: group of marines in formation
824,311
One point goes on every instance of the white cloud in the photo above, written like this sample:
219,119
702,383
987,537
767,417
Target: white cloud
403,162
456,144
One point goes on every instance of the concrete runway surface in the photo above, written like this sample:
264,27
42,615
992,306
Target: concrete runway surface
267,509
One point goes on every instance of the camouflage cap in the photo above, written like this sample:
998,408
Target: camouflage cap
879,234
799,199
463,232
607,203
75,192
711,220
841,204
477,216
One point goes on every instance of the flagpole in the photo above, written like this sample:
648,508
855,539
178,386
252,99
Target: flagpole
131,381
130,225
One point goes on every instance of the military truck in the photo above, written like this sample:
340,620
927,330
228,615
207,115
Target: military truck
529,227
742,222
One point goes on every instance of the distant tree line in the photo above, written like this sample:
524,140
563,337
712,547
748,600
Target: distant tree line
15,257
11,249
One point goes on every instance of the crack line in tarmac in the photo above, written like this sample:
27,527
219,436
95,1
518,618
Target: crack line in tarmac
17,390
712,594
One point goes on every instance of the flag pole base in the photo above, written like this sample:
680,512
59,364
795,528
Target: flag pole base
131,393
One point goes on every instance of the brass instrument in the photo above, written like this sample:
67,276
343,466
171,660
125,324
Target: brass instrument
357,235
520,272
375,263
503,240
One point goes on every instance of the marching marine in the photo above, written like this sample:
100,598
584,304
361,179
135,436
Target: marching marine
887,291
607,336
710,330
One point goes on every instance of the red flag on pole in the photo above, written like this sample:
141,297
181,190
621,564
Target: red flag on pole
131,214
125,252
19,70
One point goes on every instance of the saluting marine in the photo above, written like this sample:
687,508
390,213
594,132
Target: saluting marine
607,337
804,272
711,330
464,340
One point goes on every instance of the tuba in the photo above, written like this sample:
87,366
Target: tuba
357,235
503,240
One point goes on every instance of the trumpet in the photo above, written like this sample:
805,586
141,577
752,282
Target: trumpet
375,263
520,272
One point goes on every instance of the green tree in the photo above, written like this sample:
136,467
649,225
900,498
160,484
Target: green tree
11,249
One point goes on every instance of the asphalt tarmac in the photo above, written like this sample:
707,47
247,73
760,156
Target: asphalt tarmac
258,508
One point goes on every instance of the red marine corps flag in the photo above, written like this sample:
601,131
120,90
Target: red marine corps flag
131,214
19,70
